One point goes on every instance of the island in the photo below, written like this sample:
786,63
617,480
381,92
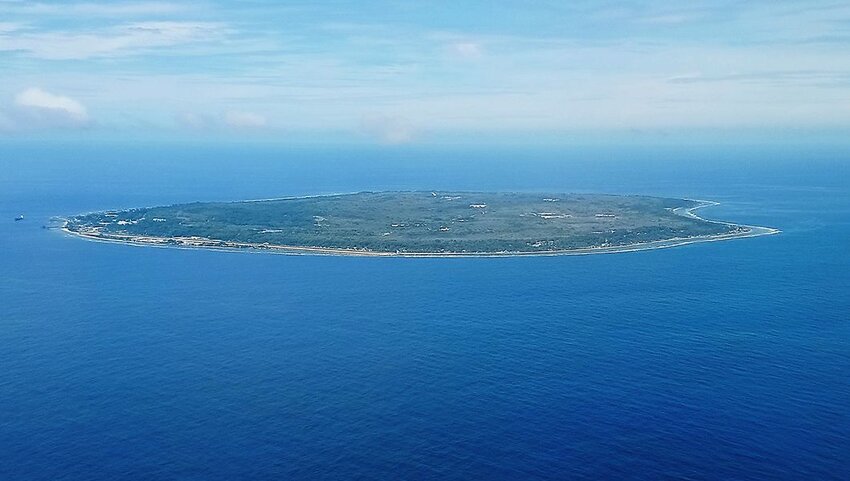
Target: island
416,224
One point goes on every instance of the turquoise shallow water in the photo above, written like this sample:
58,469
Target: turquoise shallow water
725,360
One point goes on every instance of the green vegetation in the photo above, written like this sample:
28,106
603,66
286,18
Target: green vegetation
412,222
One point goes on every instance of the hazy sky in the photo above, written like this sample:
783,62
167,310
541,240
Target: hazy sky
422,71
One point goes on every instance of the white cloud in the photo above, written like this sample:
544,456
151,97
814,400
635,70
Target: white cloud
195,121
469,50
6,123
9,27
41,108
116,9
668,19
127,39
389,129
245,120
209,123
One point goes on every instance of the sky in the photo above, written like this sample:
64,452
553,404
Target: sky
407,72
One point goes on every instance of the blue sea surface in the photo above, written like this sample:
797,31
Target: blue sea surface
723,360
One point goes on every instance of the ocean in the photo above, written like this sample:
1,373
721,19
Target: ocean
722,360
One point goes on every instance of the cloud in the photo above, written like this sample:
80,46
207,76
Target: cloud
6,123
389,129
468,50
9,27
195,121
245,120
668,19
209,123
116,9
835,78
128,39
39,108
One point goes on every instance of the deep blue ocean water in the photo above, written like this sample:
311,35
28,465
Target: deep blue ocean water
725,360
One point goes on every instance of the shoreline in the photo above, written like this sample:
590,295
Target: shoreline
219,245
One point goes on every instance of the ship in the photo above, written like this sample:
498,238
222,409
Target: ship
20,217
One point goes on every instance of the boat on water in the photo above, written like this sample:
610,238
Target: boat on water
20,217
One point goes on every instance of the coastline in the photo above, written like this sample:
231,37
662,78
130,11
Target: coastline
219,245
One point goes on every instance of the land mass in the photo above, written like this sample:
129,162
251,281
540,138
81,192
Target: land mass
419,224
